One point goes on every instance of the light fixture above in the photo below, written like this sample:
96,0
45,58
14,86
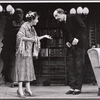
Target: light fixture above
8,9
1,8
85,11
81,11
72,11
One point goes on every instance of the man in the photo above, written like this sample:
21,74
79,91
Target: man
74,31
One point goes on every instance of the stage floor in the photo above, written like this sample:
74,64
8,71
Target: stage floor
50,92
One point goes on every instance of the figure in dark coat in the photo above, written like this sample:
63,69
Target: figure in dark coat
74,31
13,23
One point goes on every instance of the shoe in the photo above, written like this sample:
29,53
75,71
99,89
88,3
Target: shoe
70,92
98,91
12,86
20,95
76,92
27,93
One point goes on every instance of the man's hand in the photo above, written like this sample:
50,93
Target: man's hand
75,41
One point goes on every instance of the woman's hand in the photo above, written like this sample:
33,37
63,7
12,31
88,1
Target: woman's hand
44,36
48,36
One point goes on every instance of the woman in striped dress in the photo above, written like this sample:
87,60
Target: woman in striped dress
24,68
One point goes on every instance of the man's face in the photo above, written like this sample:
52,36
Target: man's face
58,16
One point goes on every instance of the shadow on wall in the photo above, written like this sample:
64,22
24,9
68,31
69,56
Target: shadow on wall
2,26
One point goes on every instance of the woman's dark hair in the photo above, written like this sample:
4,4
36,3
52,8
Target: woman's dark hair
31,15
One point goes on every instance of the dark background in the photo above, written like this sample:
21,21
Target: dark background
46,9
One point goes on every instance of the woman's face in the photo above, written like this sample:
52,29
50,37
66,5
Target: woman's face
35,21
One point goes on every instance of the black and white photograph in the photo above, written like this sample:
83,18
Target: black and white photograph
49,50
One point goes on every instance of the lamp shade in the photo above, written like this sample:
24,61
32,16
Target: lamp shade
1,8
85,11
79,10
9,8
72,11
13,11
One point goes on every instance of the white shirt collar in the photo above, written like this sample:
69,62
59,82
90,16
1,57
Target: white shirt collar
65,18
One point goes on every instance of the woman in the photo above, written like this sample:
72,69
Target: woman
24,68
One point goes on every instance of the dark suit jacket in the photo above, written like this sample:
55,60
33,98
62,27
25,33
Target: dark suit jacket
74,27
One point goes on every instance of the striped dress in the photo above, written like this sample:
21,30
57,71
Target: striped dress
24,67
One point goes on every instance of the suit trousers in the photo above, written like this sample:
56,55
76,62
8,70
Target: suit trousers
75,64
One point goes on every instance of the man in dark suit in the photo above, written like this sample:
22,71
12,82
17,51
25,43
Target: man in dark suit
74,31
